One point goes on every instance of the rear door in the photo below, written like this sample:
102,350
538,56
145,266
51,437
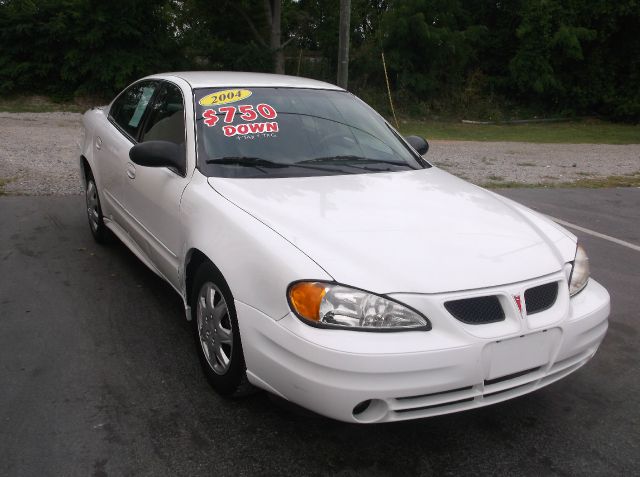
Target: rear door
113,143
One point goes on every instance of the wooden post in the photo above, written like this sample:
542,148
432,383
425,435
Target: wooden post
276,46
299,62
343,45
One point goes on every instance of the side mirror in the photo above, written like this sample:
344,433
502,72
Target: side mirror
159,154
420,144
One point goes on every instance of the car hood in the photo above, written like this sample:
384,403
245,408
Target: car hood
422,231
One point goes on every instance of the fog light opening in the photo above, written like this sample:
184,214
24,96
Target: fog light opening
371,410
360,408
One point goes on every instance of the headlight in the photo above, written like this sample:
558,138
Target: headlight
579,271
336,306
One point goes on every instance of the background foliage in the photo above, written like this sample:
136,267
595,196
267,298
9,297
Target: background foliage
468,58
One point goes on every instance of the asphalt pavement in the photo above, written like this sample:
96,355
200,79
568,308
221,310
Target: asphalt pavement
99,376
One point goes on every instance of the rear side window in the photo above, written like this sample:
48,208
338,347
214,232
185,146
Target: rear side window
129,108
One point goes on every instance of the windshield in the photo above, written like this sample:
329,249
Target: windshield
285,132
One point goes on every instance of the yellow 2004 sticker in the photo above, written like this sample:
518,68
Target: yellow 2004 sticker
225,97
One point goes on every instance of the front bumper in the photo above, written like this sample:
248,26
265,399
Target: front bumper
408,375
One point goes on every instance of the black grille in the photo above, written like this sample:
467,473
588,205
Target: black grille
488,382
476,311
540,298
448,391
423,408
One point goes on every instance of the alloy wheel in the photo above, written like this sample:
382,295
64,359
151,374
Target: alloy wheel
214,328
93,206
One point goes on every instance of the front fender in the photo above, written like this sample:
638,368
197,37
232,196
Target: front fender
256,261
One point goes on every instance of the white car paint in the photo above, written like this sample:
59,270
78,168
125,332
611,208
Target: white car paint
422,237
396,226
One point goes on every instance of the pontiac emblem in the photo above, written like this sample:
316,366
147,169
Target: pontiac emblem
518,302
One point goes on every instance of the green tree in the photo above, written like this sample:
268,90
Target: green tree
551,39
579,56
431,45
86,46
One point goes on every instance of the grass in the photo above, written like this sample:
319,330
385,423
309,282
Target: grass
3,182
627,180
589,131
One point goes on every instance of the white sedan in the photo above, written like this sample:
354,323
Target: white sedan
320,257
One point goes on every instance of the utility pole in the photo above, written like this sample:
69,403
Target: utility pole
343,45
275,9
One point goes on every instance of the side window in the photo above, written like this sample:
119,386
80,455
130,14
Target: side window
166,117
128,110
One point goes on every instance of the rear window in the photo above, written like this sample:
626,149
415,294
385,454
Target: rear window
129,108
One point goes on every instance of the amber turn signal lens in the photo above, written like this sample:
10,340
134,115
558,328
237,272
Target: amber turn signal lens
305,298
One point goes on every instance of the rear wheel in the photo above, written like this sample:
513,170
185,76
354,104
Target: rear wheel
94,212
216,333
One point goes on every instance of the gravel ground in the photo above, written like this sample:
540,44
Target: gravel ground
531,163
39,153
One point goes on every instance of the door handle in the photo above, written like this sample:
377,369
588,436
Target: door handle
131,171
98,142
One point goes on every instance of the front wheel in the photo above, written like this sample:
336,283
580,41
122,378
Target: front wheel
94,212
216,333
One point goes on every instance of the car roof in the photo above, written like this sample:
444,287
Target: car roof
215,79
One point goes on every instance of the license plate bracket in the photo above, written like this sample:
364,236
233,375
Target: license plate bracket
521,353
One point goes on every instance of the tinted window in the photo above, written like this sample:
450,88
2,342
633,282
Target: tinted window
281,132
166,116
128,109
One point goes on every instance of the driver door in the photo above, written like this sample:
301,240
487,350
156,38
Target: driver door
153,194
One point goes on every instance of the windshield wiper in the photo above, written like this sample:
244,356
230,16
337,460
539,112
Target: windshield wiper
350,160
261,164
247,162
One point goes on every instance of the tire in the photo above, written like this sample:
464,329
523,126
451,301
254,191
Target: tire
216,332
99,230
